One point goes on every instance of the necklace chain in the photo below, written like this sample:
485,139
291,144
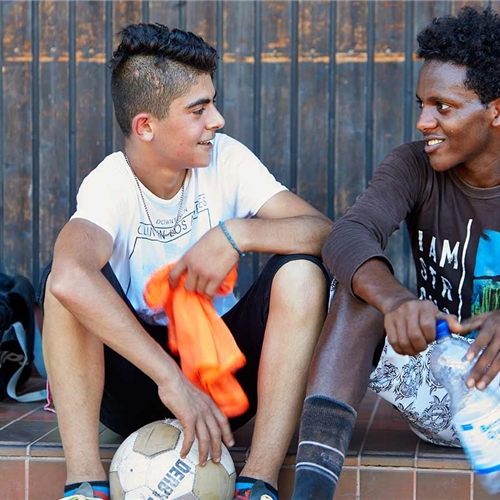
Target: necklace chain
181,202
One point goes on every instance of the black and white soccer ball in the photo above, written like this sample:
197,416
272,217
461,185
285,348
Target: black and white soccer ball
148,466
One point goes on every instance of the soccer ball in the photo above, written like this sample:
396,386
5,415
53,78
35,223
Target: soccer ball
148,466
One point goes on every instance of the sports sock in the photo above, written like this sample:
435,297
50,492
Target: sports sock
245,485
325,433
100,489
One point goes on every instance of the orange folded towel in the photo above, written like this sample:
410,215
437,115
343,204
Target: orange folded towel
208,352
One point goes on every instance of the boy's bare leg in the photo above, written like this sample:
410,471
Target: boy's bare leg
75,366
339,377
296,314
343,359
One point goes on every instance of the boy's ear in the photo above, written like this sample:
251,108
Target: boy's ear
142,127
495,108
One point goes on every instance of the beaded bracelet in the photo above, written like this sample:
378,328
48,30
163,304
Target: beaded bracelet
228,236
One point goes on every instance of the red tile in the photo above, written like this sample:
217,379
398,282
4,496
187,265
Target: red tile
48,446
387,484
46,479
12,484
431,456
443,485
12,410
390,441
354,450
348,485
387,416
366,407
365,412
41,415
24,432
389,448
285,482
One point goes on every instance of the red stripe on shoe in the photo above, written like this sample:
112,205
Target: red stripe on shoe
101,495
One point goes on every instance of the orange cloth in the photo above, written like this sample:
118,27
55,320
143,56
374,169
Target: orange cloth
208,352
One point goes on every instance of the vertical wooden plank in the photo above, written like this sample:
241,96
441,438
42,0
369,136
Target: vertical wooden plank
238,62
332,123
17,146
389,84
275,90
456,5
54,120
165,12
201,18
124,13
351,58
388,98
2,105
314,60
238,89
425,12
495,5
90,85
274,124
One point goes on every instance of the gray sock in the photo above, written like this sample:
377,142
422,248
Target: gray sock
325,433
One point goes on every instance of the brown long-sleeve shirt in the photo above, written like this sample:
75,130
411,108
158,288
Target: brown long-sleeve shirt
454,230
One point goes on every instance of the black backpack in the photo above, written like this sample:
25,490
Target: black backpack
17,336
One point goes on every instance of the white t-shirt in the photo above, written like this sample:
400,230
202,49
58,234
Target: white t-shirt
234,185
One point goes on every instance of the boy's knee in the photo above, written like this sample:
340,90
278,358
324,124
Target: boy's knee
353,321
301,272
301,280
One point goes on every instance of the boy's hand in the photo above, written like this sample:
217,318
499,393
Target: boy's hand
199,416
411,325
487,365
207,263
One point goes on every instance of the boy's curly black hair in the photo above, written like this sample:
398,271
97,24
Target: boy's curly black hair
471,39
154,65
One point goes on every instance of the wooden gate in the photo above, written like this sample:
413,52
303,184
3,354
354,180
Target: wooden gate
319,90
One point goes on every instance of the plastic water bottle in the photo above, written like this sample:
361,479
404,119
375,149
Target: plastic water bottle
475,414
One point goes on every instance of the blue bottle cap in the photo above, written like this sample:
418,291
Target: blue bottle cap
442,329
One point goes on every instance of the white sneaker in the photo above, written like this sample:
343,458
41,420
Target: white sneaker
78,497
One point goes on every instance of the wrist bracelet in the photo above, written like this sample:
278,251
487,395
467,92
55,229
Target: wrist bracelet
228,236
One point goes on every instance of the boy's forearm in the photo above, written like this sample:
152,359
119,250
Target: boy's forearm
374,283
300,234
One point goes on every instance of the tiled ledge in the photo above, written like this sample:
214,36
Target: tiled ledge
386,461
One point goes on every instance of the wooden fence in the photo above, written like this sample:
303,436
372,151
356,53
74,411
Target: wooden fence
319,90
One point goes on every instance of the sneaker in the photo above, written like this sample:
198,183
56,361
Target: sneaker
258,491
78,497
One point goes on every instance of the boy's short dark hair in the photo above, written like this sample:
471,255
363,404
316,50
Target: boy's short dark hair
470,39
154,65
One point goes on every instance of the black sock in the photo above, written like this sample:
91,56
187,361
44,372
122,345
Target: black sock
325,433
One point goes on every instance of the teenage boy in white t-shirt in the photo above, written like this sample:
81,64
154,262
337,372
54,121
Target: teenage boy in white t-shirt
180,193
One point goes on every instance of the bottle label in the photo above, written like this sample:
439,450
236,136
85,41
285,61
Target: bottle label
480,439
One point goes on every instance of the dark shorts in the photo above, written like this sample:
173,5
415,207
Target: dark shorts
130,398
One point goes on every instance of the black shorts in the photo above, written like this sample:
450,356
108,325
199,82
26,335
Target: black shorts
130,398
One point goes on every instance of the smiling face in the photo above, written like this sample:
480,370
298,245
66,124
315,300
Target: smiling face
184,138
456,126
